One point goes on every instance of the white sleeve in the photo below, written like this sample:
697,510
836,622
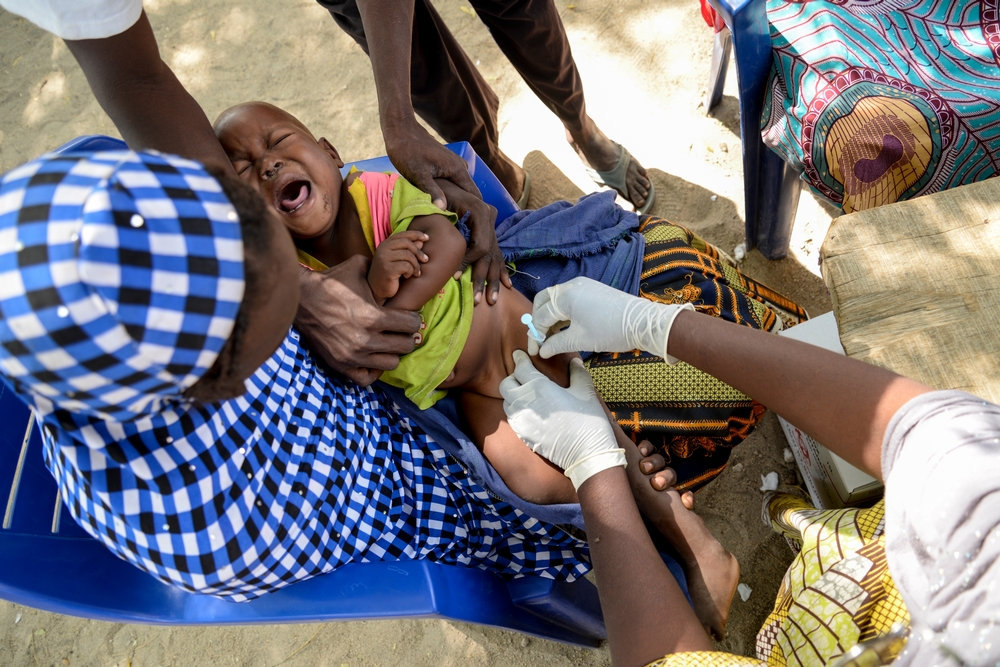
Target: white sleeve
78,19
941,464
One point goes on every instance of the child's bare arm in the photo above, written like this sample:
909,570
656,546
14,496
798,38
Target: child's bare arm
444,248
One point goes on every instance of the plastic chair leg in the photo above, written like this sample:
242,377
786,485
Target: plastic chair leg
722,46
779,187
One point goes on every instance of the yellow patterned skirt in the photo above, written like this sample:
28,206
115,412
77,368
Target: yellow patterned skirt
836,593
692,418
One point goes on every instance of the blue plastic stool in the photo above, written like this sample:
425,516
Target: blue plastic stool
771,186
48,562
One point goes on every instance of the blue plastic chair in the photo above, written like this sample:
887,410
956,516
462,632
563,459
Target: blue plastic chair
48,562
771,186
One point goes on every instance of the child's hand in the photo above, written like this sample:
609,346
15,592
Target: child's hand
399,256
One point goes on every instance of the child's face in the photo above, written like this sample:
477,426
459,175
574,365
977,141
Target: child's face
298,176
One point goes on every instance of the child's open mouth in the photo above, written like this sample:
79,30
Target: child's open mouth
293,195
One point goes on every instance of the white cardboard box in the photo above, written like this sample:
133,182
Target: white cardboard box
832,482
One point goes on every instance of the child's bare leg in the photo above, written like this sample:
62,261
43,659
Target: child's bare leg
712,572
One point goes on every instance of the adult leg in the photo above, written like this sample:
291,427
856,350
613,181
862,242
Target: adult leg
532,36
447,90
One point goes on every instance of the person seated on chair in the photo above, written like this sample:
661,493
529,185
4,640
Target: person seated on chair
867,114
332,219
145,314
415,250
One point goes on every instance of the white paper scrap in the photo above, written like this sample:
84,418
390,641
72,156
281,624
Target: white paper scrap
769,482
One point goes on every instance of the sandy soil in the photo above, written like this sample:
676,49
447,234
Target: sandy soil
645,67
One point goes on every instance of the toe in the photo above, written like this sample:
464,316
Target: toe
645,447
663,480
687,499
651,464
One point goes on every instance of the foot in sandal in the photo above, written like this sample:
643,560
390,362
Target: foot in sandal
610,164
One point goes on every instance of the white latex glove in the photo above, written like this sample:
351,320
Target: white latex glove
601,319
566,426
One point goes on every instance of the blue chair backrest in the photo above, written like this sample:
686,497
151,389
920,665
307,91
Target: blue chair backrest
489,185
49,562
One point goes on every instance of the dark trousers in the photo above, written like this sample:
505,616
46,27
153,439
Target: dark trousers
448,91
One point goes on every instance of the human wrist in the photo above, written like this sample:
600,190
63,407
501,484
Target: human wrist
308,282
397,120
585,468
653,326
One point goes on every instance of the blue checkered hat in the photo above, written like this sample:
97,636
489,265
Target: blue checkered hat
121,274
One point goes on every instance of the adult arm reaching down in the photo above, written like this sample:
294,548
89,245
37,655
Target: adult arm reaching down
414,152
143,97
570,428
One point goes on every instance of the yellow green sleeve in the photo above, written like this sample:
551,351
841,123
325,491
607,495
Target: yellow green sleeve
408,203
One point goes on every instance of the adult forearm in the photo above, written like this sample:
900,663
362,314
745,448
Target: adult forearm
646,614
143,97
389,29
843,403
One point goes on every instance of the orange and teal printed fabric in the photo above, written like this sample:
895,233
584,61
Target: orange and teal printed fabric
877,101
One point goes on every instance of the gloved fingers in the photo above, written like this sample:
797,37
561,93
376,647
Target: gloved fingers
532,347
508,389
558,343
581,384
524,370
545,311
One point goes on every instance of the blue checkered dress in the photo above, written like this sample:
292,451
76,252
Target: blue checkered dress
302,474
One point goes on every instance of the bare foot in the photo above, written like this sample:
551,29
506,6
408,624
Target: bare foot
600,153
712,572
660,476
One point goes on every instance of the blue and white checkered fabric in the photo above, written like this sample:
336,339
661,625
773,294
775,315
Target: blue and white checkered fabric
300,475
121,274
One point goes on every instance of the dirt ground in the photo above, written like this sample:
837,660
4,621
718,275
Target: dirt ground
645,67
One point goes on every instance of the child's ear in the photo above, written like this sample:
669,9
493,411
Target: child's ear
331,151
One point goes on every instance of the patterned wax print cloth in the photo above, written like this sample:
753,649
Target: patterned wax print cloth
837,592
705,659
386,204
690,417
301,474
876,101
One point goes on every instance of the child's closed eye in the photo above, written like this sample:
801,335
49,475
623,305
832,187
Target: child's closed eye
280,140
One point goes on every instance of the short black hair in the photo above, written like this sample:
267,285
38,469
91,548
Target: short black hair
256,238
